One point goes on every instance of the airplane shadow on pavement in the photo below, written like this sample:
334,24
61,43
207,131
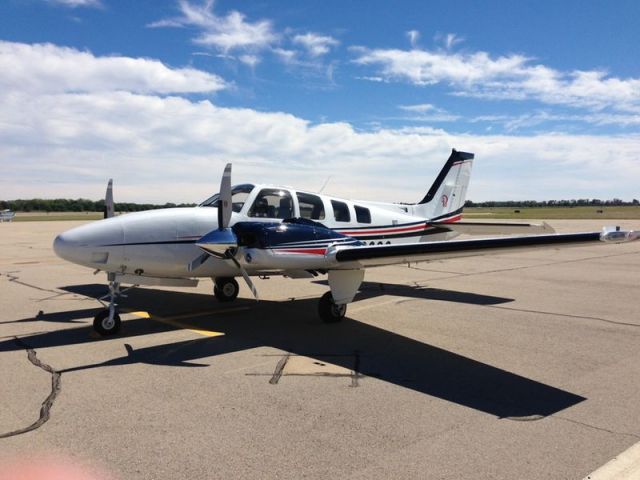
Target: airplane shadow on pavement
293,326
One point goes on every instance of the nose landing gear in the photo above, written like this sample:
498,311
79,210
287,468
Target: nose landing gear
107,322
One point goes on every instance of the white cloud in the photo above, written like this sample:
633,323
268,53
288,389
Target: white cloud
419,108
76,3
66,143
224,33
451,40
309,63
315,44
414,36
236,38
513,77
426,112
159,147
512,123
250,60
52,69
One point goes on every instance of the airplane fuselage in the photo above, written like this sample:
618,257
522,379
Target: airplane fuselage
161,243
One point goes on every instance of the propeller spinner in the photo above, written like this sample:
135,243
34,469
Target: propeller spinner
222,242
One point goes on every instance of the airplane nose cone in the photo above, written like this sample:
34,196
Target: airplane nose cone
89,244
62,246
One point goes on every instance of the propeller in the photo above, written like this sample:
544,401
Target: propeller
108,200
222,242
224,200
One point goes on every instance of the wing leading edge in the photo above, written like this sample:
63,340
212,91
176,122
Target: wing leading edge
416,252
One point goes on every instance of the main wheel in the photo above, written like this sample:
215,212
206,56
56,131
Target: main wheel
329,311
104,326
226,289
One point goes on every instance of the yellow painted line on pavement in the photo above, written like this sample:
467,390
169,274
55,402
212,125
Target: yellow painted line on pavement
174,320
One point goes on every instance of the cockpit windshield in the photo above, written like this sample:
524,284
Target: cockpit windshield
239,195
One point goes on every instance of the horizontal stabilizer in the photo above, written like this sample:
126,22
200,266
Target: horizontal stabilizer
495,228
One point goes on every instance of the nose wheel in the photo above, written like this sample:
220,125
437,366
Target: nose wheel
329,311
107,322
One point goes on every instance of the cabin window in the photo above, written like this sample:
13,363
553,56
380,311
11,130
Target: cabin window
340,211
363,215
239,195
311,206
272,203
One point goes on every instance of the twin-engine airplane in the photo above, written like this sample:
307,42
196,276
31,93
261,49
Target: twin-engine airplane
262,230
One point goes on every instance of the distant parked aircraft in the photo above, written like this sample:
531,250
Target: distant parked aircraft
6,215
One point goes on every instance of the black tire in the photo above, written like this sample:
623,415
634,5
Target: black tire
102,325
226,289
329,311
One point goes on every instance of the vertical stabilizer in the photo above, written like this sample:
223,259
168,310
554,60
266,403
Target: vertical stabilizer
445,199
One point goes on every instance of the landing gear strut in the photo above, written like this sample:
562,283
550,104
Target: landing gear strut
226,289
329,311
107,322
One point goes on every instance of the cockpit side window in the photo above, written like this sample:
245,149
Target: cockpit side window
272,203
239,195
311,206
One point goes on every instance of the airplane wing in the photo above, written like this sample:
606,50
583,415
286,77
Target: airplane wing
495,228
372,256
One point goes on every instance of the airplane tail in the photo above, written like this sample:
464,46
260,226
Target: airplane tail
445,199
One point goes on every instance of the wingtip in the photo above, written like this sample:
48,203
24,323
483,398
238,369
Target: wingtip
616,235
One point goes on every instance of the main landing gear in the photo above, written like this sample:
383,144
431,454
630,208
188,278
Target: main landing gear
329,311
226,289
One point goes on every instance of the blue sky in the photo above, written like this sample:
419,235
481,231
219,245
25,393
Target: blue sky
160,94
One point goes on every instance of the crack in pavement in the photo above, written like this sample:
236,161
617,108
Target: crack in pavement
277,374
45,410
581,317
601,429
15,279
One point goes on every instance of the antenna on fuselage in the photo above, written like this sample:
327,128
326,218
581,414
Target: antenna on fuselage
326,182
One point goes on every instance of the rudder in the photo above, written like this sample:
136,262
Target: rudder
445,199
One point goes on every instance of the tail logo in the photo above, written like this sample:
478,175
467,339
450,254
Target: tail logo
445,200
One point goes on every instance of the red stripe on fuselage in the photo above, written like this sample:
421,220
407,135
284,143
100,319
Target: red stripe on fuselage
452,219
308,251
356,233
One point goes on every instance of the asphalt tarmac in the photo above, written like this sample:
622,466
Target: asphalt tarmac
521,365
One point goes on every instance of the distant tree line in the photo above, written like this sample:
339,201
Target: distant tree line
582,202
79,205
84,205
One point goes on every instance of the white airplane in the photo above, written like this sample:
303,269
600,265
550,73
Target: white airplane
263,230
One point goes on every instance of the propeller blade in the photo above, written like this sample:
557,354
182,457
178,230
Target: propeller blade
108,200
196,262
246,277
224,201
218,242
